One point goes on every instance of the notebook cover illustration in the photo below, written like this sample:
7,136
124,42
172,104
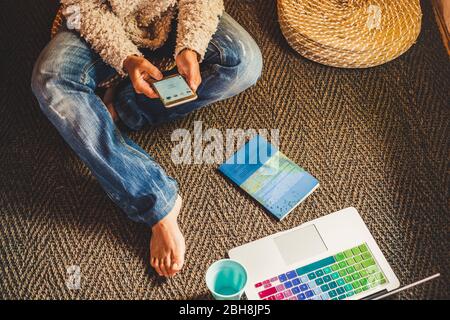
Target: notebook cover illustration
267,175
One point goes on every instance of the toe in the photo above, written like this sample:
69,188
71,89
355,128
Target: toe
169,268
177,263
156,266
162,267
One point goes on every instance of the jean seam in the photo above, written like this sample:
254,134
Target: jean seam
219,49
126,145
87,69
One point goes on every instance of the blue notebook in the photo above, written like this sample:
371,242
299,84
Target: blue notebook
267,175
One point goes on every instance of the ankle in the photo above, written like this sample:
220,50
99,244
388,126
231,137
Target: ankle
171,218
165,223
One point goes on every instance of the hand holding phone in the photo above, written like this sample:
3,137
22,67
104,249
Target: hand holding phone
142,72
174,90
189,67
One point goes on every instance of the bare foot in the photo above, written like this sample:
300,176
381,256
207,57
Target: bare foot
167,245
108,100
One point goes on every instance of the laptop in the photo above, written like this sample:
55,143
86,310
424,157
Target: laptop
331,258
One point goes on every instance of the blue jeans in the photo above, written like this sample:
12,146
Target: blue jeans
64,80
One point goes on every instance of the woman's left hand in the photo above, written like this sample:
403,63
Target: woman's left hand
189,68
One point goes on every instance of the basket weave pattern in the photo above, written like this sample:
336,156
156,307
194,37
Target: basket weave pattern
350,33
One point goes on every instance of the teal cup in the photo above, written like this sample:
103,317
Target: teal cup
226,279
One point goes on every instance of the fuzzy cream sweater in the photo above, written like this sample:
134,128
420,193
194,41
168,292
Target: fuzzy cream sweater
116,29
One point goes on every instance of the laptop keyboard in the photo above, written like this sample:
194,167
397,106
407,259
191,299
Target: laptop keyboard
334,278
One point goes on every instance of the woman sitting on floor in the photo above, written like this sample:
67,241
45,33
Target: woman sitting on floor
217,57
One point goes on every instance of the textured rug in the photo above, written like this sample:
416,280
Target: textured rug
377,139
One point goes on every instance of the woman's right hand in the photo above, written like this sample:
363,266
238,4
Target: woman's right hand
141,71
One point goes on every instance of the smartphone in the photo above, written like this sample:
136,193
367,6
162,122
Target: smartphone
173,91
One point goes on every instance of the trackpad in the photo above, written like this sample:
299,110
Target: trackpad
300,244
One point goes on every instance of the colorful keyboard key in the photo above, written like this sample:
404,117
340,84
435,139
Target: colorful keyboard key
282,277
301,296
368,263
280,287
366,255
304,279
304,287
348,253
325,288
267,292
363,247
337,277
316,265
311,276
279,296
339,257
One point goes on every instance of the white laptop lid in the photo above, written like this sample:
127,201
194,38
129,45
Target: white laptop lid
281,252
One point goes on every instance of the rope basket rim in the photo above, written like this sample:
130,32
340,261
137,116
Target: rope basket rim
349,42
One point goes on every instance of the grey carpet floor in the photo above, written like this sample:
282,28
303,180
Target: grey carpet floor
377,139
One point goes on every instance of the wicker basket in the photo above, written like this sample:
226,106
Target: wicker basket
162,63
350,33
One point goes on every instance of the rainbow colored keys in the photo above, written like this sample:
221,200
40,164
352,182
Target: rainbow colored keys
334,278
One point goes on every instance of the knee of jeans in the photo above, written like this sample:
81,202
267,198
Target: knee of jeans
50,78
59,65
44,84
47,72
248,63
251,64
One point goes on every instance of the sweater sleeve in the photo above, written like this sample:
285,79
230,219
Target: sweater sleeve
197,23
104,31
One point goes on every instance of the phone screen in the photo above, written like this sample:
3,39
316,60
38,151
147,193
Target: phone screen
173,89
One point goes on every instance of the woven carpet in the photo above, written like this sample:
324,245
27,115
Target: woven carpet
377,139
